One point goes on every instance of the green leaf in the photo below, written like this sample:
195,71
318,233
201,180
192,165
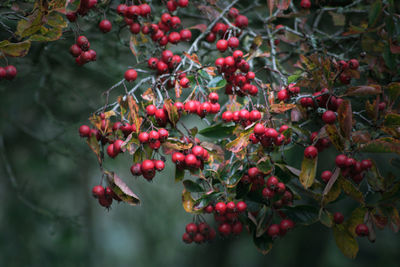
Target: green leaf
192,186
94,146
15,49
179,174
234,179
294,78
389,58
302,214
351,190
393,91
374,12
382,145
47,35
265,165
308,171
326,218
356,217
216,83
241,142
338,19
375,180
219,130
121,189
345,241
332,194
263,243
392,120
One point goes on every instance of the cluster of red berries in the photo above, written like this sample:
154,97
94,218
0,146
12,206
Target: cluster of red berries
160,32
323,99
86,131
268,137
147,168
166,63
153,138
160,115
237,82
242,116
202,109
193,158
350,168
80,50
254,177
343,66
198,233
8,72
84,7
105,196
276,192
227,216
286,93
276,230
172,5
221,29
321,143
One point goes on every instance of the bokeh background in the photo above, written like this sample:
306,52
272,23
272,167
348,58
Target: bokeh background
47,214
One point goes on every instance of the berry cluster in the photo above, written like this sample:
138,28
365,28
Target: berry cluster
84,7
80,50
351,168
159,32
227,216
147,168
268,137
153,138
198,233
221,29
105,196
8,72
320,143
286,93
193,158
344,67
276,192
242,116
167,63
276,230
202,109
236,72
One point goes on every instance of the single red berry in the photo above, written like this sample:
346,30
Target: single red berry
186,237
326,176
233,12
151,110
110,151
136,169
362,230
191,228
306,4
341,160
222,45
198,238
209,209
184,82
366,164
237,55
259,129
171,5
211,37
311,152
153,136
83,42
280,188
233,42
178,157
237,228
271,133
71,16
11,72
329,117
130,75
190,160
163,134
227,116
186,35
213,97
105,201
84,131
272,182
283,95
143,137
98,191
338,218
220,208
198,151
75,50
255,115
241,206
286,225
147,166
225,229
273,230
182,3
174,37
105,25
117,146
145,10
241,21
231,206
134,28
353,64
162,67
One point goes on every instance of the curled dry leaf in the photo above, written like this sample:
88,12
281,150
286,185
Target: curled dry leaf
121,189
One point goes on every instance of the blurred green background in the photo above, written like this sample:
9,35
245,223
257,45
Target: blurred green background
48,216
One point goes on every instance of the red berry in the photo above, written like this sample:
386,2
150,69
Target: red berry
153,136
211,37
163,134
117,146
147,166
237,55
98,191
255,115
341,160
286,225
178,157
145,10
362,230
71,16
186,237
174,37
273,230
161,67
184,82
353,64
110,151
233,12
213,97
191,228
338,217
366,164
105,25
280,188
329,117
220,208
105,201
241,21
186,35
272,182
130,75
75,50
143,137
259,129
84,131
231,206
271,133
225,229
326,176
134,28
151,110
190,160
136,169
233,42
198,238
227,116
237,228
306,4
171,5
182,3
283,95
311,152
83,43
11,72
241,206
222,45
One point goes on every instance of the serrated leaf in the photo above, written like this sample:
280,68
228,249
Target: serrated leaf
265,165
241,142
148,95
121,189
308,171
281,107
382,145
